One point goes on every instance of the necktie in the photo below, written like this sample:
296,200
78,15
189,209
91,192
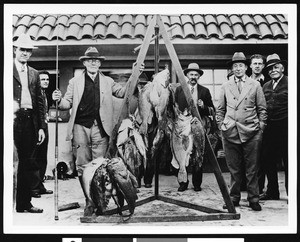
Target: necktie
239,84
22,68
274,84
192,90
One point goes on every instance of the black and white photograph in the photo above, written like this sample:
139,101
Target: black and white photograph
150,119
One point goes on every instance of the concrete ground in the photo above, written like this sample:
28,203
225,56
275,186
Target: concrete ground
274,213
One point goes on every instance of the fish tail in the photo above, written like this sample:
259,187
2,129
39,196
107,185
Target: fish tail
182,175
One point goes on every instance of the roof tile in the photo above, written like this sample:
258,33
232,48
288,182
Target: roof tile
200,30
135,26
235,19
188,30
140,19
59,31
89,19
209,18
259,19
221,18
238,31
265,31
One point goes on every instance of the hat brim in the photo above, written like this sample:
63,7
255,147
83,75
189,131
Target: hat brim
267,66
82,58
198,70
230,63
25,47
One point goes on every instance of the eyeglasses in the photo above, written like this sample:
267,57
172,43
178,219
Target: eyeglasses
93,60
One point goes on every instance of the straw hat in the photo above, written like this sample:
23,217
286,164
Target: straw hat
24,41
91,53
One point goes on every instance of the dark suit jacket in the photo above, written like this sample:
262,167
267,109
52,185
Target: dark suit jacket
277,99
36,96
203,94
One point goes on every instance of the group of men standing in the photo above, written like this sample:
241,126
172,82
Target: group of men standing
247,115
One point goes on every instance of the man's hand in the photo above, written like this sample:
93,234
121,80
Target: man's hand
56,95
200,103
142,67
41,136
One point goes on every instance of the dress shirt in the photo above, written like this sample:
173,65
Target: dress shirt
275,83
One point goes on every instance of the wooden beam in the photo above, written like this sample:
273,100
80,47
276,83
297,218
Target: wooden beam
188,96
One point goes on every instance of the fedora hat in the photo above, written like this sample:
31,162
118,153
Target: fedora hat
238,57
24,41
193,67
273,60
91,53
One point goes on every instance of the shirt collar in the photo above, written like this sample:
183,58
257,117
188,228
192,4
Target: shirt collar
237,79
260,77
277,81
19,65
92,76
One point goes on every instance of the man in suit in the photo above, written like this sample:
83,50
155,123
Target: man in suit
241,116
37,186
90,96
202,99
29,123
275,140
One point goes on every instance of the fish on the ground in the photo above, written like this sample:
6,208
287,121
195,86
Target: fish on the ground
125,182
182,143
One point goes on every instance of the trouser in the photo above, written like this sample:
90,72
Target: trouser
247,152
275,149
41,160
25,141
89,145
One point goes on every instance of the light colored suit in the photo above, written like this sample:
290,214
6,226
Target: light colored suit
241,115
74,93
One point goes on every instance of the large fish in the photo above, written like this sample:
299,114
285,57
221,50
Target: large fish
125,182
154,98
97,186
198,132
182,143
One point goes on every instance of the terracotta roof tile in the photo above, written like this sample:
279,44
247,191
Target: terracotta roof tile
188,30
175,20
89,19
100,30
200,30
235,19
140,30
226,30
265,31
238,31
78,26
140,19
246,18
209,18
198,18
252,31
221,18
259,19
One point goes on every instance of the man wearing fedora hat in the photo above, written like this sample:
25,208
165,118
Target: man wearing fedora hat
202,99
241,116
275,139
90,96
29,124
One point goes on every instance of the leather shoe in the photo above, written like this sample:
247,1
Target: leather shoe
183,186
235,203
255,206
266,196
148,185
46,191
30,210
35,194
197,189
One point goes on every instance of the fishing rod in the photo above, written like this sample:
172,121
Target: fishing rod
56,133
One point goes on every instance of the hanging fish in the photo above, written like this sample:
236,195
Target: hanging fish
153,98
182,143
198,133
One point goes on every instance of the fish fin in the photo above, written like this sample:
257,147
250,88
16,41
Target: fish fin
174,163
